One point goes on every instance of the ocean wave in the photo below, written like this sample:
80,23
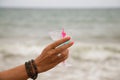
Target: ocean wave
89,61
77,51
94,51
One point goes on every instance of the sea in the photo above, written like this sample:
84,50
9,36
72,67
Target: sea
95,55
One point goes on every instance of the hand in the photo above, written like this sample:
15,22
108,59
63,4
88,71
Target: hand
53,54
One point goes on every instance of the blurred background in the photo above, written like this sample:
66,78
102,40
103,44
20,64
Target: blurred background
94,25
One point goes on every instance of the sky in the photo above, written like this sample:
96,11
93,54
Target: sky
61,3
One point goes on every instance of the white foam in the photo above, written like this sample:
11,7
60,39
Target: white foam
95,55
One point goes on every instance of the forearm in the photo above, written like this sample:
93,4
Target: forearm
17,73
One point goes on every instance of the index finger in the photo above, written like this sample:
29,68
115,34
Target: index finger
57,43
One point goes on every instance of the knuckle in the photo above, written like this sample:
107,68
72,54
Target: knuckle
60,49
57,50
64,54
51,52
65,57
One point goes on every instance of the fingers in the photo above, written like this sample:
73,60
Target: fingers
57,43
61,56
60,49
63,47
65,54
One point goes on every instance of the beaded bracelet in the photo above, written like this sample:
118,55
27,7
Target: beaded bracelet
31,69
35,69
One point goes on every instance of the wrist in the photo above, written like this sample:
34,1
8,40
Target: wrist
38,66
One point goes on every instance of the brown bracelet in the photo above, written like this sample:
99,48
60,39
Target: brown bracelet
31,69
35,69
28,69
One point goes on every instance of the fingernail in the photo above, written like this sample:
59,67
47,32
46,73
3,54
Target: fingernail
68,37
72,42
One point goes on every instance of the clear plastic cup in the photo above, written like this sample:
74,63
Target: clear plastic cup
56,35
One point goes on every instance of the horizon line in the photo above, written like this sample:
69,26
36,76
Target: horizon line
59,7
